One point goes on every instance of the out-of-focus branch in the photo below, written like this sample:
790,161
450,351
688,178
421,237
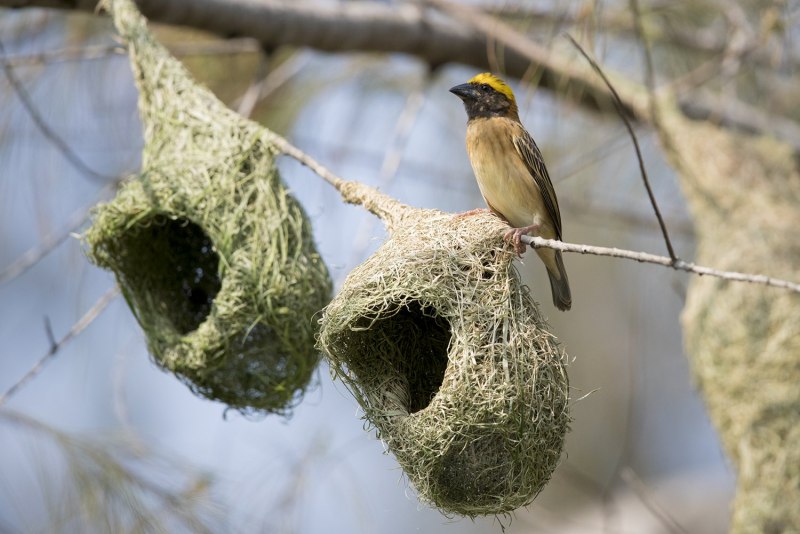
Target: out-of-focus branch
50,241
649,500
358,25
737,115
742,118
268,80
48,132
108,477
366,26
55,346
557,70
90,52
708,41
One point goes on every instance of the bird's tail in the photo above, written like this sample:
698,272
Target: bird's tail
559,283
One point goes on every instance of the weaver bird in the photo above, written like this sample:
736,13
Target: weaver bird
511,173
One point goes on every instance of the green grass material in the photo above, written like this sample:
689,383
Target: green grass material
213,255
452,362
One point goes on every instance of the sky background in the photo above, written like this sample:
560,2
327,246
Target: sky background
639,418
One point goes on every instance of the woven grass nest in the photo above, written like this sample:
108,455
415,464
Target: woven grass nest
743,340
213,255
452,363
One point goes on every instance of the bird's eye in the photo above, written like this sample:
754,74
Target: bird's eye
486,87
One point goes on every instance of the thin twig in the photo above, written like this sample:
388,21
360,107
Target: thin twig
290,150
48,330
97,460
649,69
623,115
271,80
48,132
247,102
405,123
295,153
735,114
284,72
556,73
648,499
76,329
49,242
62,55
678,265
92,52
392,159
35,254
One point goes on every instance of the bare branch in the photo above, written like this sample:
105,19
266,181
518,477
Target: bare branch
247,102
366,26
402,130
648,499
90,52
678,264
737,115
639,157
75,53
557,71
74,331
295,153
268,80
48,132
50,241
650,72
645,257
355,26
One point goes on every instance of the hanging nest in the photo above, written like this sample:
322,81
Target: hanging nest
452,362
743,340
213,255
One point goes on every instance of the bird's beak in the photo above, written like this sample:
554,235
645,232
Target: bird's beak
465,91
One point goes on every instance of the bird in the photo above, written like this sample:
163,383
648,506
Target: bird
511,173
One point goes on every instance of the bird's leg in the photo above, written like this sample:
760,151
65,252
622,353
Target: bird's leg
515,235
470,213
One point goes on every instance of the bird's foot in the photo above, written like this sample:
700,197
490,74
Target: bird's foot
515,236
470,213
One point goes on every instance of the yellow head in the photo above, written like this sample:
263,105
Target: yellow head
495,83
486,95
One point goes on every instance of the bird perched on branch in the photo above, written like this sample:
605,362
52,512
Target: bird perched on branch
511,173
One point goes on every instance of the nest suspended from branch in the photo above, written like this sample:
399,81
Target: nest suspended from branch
453,364
213,255
743,340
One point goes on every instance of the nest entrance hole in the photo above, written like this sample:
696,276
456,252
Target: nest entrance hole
173,263
409,344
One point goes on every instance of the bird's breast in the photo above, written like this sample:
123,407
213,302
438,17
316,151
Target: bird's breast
503,178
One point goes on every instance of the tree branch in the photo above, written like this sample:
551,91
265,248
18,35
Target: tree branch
665,261
344,188
48,243
632,134
49,133
53,239
558,72
76,329
355,26
366,26
738,115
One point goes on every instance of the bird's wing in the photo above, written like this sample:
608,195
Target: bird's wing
527,149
